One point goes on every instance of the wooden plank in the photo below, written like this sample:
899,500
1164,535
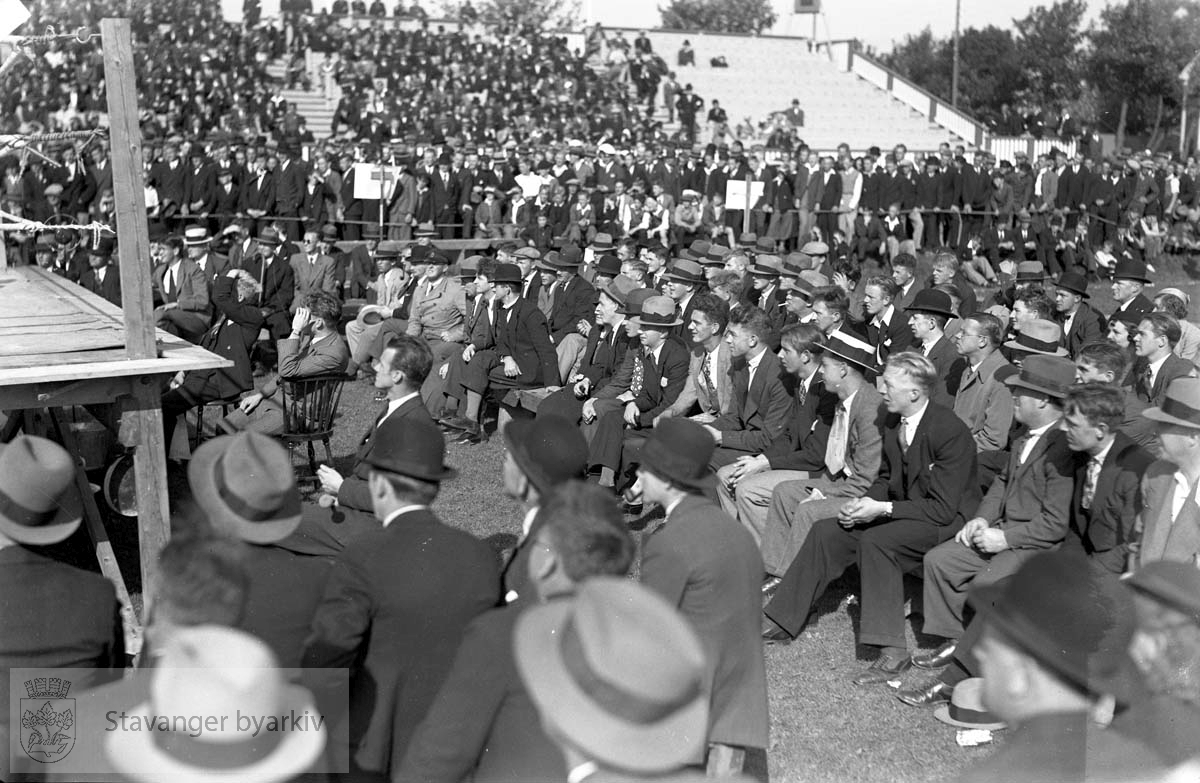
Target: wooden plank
150,456
172,361
42,395
99,535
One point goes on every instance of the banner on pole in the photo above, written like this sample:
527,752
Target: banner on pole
735,193
367,177
808,7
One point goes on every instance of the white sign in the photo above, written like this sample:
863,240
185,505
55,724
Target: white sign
735,193
367,177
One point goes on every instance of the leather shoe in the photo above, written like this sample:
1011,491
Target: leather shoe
935,659
883,669
458,423
469,437
926,694
773,634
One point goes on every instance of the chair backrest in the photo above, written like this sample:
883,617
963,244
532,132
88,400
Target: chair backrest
310,404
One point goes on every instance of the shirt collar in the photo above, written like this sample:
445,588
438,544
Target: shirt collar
914,420
753,363
1103,454
393,405
672,505
1156,366
1040,431
527,521
846,403
390,518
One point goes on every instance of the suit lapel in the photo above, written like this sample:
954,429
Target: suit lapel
915,456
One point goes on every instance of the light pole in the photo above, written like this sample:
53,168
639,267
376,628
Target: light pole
954,70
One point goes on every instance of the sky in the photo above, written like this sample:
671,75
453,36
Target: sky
876,22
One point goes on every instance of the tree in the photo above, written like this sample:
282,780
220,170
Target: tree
923,60
1050,45
523,14
719,16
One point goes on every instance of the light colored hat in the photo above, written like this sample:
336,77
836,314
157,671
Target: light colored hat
1039,336
966,710
39,502
1180,405
657,311
246,483
196,235
219,674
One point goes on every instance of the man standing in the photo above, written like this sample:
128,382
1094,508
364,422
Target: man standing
289,192
311,270
412,572
927,484
699,560
1080,323
1026,509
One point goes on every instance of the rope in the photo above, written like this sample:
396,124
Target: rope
81,35
34,226
11,139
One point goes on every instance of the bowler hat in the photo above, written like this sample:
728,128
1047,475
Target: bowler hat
847,347
932,301
608,265
245,482
1074,282
1038,336
1052,375
685,271
39,501
549,450
966,709
619,673
1128,269
1172,583
657,311
418,451
679,451
507,273
1180,405
1082,635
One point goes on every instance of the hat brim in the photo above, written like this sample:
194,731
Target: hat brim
1016,346
368,315
515,441
931,311
856,362
1016,382
681,279
942,713
201,475
1157,414
194,242
637,319
65,522
135,755
655,747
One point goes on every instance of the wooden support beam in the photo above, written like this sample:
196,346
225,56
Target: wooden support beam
150,457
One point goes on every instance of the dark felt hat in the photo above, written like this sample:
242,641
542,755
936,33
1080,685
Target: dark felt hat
549,450
1074,282
417,451
679,450
930,300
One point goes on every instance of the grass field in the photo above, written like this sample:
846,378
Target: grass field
823,728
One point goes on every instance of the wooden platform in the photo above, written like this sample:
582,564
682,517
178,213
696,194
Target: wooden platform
63,345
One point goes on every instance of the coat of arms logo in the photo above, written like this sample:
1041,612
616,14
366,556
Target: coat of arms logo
47,719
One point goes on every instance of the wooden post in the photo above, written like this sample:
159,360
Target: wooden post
150,456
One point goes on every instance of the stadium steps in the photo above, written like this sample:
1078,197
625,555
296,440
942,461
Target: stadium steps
765,74
310,104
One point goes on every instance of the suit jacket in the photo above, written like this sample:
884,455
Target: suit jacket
482,726
109,289
662,381
1088,326
289,186
232,336
191,287
1139,304
695,393
308,277
1161,537
574,302
604,355
302,358
710,567
760,409
984,402
521,333
1174,367
1031,501
936,480
215,265
278,285
415,573
442,310
285,589
478,324
354,493
944,357
831,191
200,187
256,196
864,445
806,431
903,299
1108,530
896,336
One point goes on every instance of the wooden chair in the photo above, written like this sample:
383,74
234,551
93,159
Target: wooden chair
225,405
309,408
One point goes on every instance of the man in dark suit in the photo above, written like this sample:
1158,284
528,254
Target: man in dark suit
607,343
927,317
102,277
1081,324
259,193
412,571
926,486
445,197
328,529
235,328
522,357
229,199
197,240
37,476
573,301
247,488
483,725
289,192
682,281
1025,511
831,198
1129,280
904,270
271,268
761,402
168,177
1154,368
887,329
199,187
701,561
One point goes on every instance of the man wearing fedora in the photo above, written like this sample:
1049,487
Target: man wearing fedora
182,289
926,487
652,380
273,272
413,572
311,269
540,455
702,562
1166,650
1026,509
484,723
437,315
53,615
604,354
1170,518
928,315
781,505
1080,323
682,282
572,307
1037,337
1046,665
1129,280
593,661
198,242
102,277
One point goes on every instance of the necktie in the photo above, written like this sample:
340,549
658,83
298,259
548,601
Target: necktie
170,287
639,375
705,380
1089,483
1149,378
903,436
835,449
